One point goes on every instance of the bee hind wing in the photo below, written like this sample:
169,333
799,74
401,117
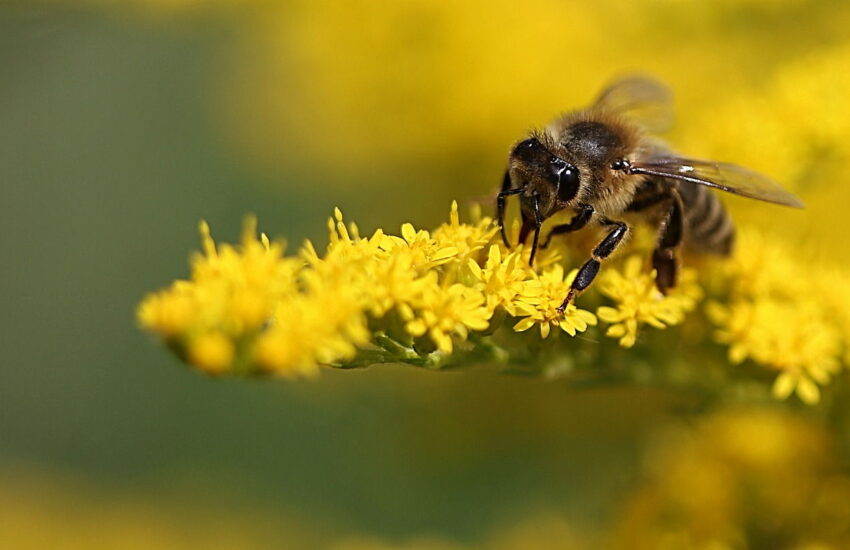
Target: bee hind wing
641,99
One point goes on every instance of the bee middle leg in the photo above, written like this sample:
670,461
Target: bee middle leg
587,272
579,220
669,241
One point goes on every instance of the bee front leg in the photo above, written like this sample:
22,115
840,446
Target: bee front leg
590,268
669,241
506,191
529,224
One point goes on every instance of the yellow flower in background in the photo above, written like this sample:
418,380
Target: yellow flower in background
422,83
731,479
792,337
787,313
741,478
794,123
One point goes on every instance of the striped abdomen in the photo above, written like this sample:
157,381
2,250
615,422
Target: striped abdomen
708,226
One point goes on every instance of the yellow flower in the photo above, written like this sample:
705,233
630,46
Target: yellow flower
320,328
168,312
706,486
232,292
792,337
211,352
425,251
760,266
466,239
539,301
800,331
502,280
442,312
639,302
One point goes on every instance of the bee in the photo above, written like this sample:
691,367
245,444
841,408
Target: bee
603,164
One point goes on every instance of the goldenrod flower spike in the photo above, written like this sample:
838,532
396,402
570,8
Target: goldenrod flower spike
456,296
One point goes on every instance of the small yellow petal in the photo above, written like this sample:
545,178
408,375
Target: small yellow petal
616,331
808,391
444,253
784,385
475,269
628,340
608,314
568,328
408,232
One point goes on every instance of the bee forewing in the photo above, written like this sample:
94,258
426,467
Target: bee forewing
719,175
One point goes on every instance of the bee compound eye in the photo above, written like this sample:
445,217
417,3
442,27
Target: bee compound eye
568,183
528,150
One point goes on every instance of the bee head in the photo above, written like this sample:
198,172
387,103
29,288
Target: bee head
552,179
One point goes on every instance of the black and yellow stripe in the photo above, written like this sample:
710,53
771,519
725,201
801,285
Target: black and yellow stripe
708,225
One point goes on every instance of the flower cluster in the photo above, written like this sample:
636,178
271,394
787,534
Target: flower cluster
383,297
232,293
433,298
740,478
639,301
787,313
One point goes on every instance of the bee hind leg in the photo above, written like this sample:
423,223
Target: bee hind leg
669,240
587,272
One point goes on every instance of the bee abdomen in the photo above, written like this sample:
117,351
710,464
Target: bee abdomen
709,226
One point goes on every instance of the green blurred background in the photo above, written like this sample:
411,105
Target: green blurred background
123,124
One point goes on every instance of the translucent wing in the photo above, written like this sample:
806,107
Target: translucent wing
645,101
720,175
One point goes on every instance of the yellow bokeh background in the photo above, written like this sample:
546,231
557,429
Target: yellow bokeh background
389,110
365,95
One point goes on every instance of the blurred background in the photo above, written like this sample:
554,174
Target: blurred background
122,123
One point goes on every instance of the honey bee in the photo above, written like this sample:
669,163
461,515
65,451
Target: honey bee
603,164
